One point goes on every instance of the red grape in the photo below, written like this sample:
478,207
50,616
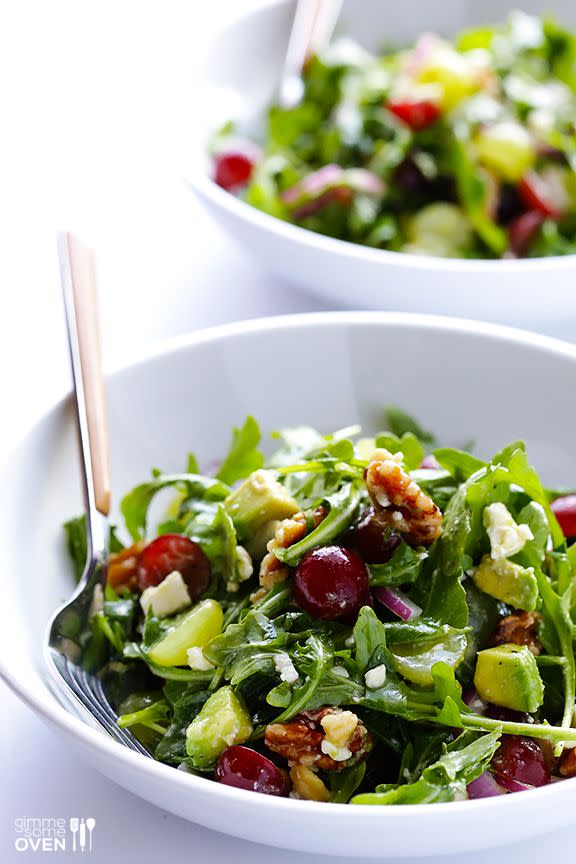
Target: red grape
331,583
565,511
245,768
174,552
417,115
372,539
520,760
233,170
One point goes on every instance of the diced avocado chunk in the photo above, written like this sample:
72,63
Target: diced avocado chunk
257,543
508,582
196,628
222,722
508,676
258,500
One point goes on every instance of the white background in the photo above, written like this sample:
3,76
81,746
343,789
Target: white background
94,101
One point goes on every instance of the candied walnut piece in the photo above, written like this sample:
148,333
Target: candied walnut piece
327,738
122,567
307,785
400,501
289,532
567,763
519,629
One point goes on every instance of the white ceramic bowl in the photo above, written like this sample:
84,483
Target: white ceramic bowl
463,380
237,81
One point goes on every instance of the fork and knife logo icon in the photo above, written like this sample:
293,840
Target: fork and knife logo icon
78,829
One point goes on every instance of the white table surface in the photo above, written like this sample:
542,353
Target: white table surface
164,269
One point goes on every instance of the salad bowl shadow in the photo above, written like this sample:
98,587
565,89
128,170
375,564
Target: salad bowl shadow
464,380
236,80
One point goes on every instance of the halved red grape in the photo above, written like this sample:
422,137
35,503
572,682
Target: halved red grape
565,511
418,114
245,768
174,552
372,539
519,760
233,169
331,583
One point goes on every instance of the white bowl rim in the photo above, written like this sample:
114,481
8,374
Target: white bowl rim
206,186
50,709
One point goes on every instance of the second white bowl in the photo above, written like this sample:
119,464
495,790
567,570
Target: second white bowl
237,81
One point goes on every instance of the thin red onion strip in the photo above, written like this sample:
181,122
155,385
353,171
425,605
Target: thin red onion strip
397,602
485,786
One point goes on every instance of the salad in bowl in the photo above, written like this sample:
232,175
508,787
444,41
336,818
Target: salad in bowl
357,620
461,148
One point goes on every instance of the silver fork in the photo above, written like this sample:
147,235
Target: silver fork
312,28
63,648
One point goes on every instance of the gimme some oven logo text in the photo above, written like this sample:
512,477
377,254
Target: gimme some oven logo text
49,834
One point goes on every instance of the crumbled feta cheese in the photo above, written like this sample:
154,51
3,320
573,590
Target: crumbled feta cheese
339,727
285,668
167,598
338,754
197,660
244,566
506,536
340,670
349,642
375,677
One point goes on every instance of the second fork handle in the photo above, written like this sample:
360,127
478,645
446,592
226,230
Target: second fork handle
90,388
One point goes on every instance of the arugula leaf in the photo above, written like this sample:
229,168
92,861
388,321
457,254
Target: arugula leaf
186,702
342,509
77,543
460,464
369,635
408,444
445,780
214,530
243,457
344,783
152,716
400,423
404,567
135,504
445,601
473,191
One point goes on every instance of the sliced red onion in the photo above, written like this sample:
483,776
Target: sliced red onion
430,463
522,232
316,185
513,785
397,602
313,184
485,786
